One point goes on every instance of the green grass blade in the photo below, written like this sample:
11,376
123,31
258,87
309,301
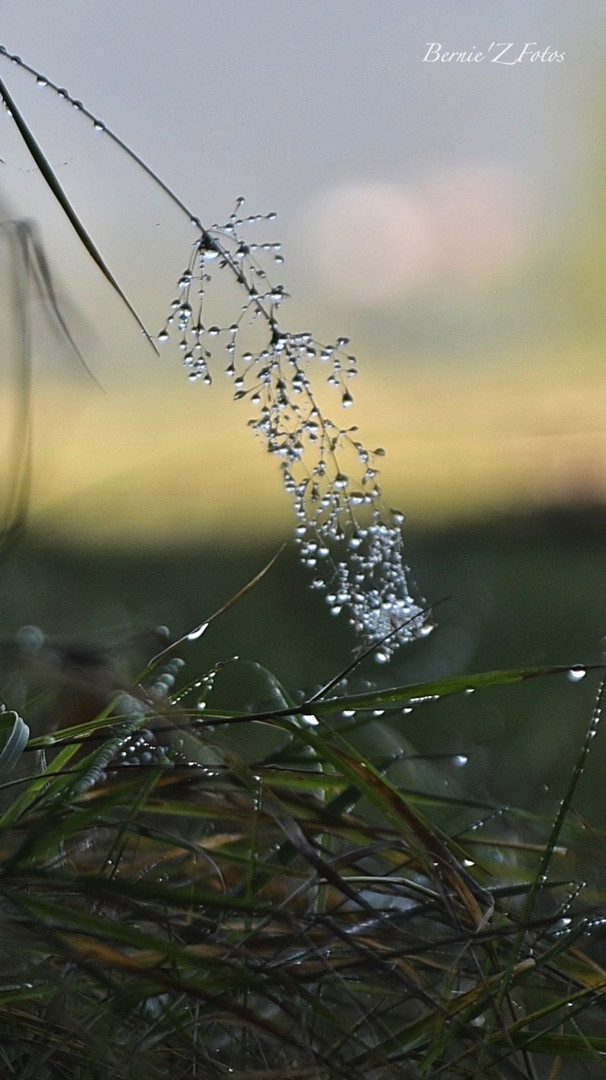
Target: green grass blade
51,180
400,695
15,743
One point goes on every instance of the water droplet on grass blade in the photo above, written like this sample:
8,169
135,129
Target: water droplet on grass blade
576,673
309,719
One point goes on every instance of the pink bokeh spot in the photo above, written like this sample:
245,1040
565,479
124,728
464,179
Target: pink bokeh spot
375,243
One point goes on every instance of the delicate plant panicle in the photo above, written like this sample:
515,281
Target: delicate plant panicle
334,514
346,535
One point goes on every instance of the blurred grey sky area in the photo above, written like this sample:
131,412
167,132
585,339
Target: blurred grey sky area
422,200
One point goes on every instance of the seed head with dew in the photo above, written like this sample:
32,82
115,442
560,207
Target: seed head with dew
346,535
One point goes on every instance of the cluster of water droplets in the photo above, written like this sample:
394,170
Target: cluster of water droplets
346,536
191,320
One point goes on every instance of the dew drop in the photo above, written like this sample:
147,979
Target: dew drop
312,721
199,630
576,674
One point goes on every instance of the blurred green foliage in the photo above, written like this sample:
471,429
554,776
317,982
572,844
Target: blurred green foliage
518,591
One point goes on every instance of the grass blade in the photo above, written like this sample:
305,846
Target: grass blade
51,180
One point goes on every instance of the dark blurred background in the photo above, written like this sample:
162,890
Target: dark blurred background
525,590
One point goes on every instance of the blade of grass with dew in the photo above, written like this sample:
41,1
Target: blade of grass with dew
559,820
193,635
51,180
394,697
